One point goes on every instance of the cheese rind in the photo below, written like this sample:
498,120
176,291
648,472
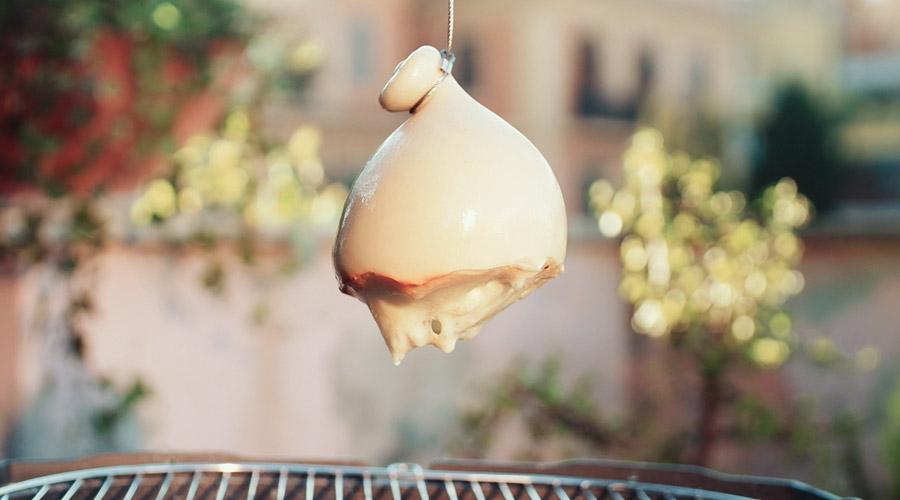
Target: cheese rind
456,216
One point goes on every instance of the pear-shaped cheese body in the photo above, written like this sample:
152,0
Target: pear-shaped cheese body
456,216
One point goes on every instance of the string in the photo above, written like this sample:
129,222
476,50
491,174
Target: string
447,59
447,55
450,16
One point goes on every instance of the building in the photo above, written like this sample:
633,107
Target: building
870,78
575,76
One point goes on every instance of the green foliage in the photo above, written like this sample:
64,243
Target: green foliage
700,265
94,84
891,437
754,421
704,268
798,140
537,395
62,234
846,428
710,273
556,411
106,420
214,277
184,22
91,91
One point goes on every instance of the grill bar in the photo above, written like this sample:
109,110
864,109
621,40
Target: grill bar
223,485
451,489
311,485
423,488
164,488
586,491
132,488
195,483
561,493
265,481
395,486
476,489
104,488
254,482
367,485
41,492
339,485
282,483
72,489
505,491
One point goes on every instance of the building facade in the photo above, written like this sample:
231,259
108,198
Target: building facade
575,76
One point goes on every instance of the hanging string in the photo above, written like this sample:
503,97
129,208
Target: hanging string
447,56
450,17
447,59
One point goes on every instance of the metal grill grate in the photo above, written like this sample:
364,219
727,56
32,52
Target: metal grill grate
250,481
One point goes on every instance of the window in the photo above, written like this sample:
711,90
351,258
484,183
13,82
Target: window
588,94
645,78
698,83
590,99
466,67
361,51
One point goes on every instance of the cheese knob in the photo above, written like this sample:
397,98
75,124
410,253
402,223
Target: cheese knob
412,79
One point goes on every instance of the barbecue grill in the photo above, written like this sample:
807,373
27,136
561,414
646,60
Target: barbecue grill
591,480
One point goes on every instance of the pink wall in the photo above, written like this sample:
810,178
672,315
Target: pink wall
317,381
9,337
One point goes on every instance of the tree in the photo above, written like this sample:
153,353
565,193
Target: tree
702,271
97,90
700,268
100,95
797,140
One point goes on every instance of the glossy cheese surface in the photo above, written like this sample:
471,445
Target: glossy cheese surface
455,216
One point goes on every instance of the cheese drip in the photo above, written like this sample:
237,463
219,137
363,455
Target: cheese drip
443,310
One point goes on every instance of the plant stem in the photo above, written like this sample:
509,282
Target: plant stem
710,401
574,421
847,429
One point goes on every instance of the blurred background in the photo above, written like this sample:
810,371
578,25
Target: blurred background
172,171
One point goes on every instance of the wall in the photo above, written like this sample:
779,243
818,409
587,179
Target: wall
9,341
318,381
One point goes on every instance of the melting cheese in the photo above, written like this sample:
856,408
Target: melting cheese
446,309
455,217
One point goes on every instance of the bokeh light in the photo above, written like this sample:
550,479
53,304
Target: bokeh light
698,260
271,191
